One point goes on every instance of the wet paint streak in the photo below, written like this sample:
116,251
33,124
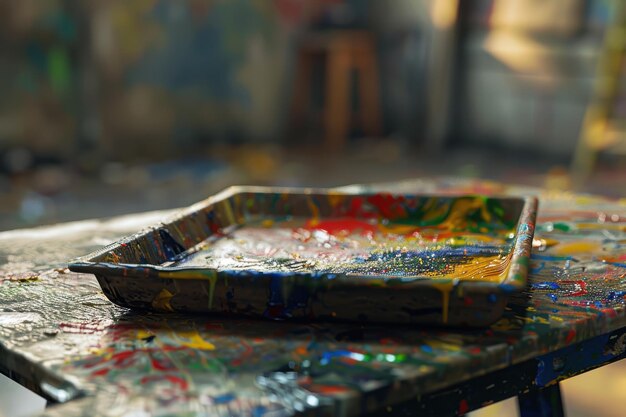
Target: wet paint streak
445,288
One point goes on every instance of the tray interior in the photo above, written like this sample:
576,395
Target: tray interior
466,237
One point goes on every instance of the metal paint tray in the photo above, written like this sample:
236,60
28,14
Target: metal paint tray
320,254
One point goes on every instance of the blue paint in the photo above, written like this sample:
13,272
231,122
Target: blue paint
276,292
615,295
224,398
259,411
327,356
298,299
170,246
550,258
427,348
547,285
507,288
574,359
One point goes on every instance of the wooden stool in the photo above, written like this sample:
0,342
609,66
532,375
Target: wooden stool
346,51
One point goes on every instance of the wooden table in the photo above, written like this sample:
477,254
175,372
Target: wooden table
60,337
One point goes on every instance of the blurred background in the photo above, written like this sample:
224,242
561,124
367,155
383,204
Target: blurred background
116,106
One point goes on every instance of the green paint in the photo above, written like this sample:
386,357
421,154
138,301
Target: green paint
562,227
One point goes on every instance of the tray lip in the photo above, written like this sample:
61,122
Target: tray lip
513,282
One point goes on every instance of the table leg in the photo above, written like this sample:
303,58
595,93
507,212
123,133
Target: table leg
545,402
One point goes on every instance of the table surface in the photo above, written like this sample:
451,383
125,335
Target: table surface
61,337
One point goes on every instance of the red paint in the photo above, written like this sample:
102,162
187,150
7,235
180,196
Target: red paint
580,288
342,225
388,206
214,226
160,366
96,327
355,209
475,350
327,389
570,336
120,357
463,407
305,380
389,341
100,372
248,351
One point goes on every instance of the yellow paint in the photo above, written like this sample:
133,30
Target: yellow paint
442,345
431,211
212,281
143,334
536,319
335,199
464,238
445,288
192,339
488,268
113,258
188,338
187,274
315,211
457,218
229,212
505,324
601,226
237,200
162,301
575,247
399,229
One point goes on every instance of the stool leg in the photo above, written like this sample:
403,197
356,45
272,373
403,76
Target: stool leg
369,92
545,402
337,99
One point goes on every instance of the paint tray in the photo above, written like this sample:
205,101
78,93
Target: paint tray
303,254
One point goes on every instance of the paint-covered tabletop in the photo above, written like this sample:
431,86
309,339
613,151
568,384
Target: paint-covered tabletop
61,337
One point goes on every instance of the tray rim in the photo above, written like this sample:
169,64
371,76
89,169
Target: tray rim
516,279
